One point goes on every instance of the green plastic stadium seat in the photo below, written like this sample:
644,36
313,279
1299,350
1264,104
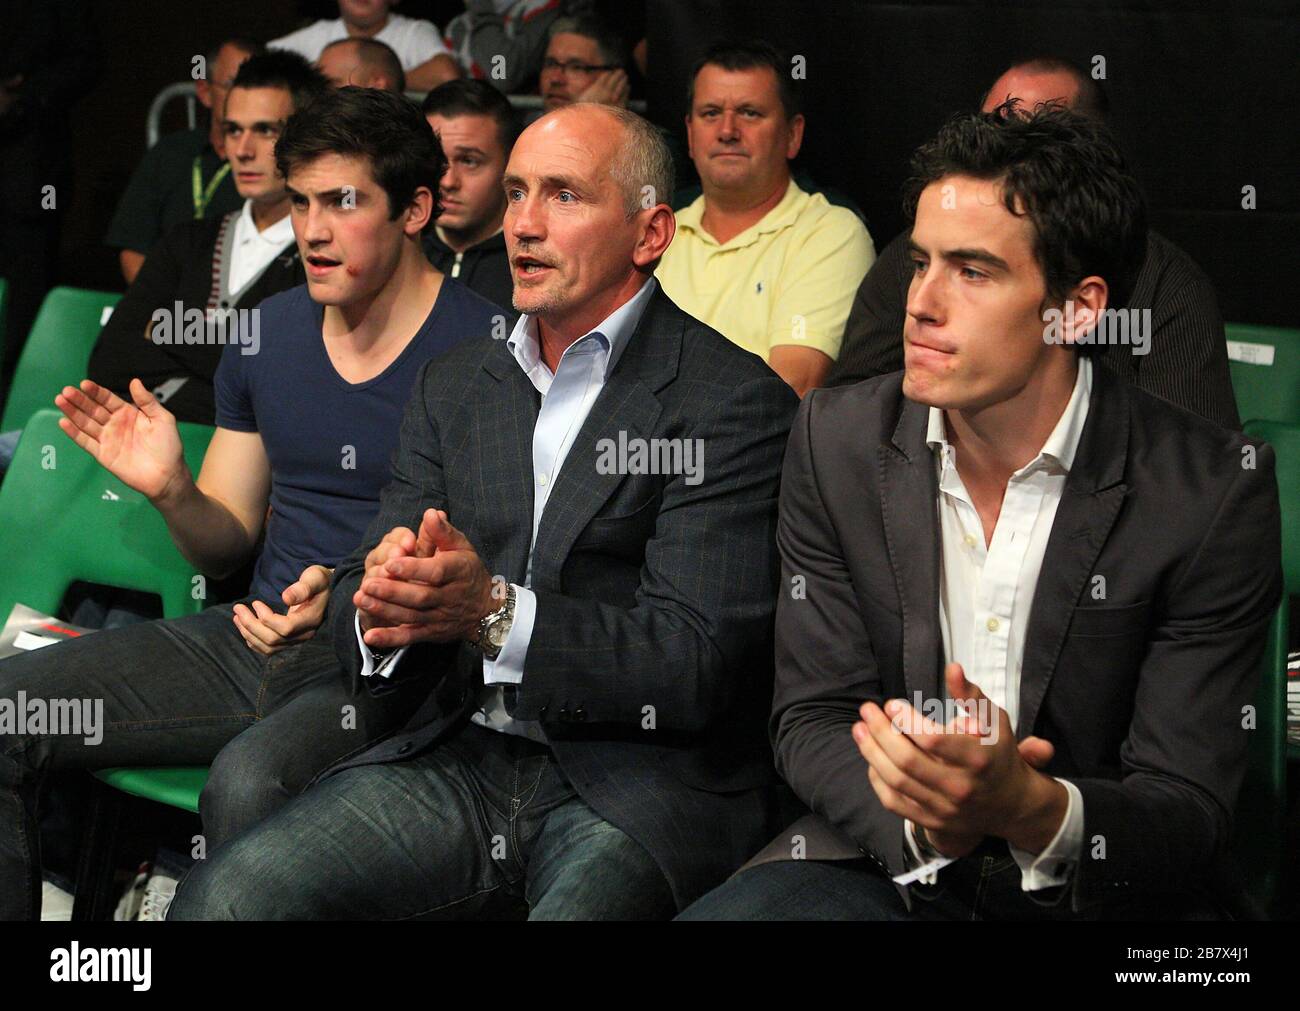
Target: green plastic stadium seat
57,350
1265,366
177,786
64,518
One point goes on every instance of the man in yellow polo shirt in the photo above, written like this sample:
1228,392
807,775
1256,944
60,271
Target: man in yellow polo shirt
770,266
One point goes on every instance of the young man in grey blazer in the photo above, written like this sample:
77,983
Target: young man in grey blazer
1024,603
577,555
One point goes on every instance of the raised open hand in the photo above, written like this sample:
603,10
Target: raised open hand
137,442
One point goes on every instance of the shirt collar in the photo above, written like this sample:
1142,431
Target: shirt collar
613,333
1060,446
278,234
691,218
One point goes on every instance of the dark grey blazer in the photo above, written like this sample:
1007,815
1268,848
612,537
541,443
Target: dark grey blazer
650,663
1141,692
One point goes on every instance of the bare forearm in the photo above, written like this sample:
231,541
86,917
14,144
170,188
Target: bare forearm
205,531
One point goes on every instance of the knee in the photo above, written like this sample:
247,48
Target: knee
244,786
224,887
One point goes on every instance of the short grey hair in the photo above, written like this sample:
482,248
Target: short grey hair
643,166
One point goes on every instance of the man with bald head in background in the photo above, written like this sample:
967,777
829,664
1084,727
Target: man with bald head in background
1184,356
363,63
577,553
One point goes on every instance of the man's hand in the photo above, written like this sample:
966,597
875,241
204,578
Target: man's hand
267,632
610,87
138,443
957,781
425,587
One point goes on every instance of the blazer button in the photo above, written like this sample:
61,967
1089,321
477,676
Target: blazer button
404,748
564,715
580,714
541,713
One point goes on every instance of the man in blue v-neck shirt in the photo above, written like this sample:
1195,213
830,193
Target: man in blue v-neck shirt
306,426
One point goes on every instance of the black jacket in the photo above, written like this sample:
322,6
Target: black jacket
484,268
179,268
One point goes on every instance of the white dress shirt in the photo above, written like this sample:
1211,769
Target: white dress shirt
985,594
567,398
252,251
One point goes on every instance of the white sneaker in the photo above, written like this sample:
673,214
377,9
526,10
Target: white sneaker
56,904
158,895
128,907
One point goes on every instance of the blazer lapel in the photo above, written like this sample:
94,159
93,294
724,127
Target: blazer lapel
502,455
909,492
1090,502
627,404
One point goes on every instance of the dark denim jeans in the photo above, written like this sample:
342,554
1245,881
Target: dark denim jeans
186,691
982,886
482,824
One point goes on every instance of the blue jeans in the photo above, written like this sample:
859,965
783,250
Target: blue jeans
186,691
482,824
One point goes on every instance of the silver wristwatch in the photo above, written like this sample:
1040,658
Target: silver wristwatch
493,629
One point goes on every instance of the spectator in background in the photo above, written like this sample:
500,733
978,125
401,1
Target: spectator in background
1186,361
418,45
772,267
362,63
184,177
476,126
503,41
216,264
584,62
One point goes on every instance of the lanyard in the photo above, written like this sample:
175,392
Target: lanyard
202,194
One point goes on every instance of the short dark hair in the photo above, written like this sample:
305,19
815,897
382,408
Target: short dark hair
749,54
613,48
378,56
279,68
1064,172
1092,101
386,129
467,97
245,45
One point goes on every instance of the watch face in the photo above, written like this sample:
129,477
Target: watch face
497,632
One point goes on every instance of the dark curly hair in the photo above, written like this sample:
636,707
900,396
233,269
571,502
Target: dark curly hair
1065,173
387,130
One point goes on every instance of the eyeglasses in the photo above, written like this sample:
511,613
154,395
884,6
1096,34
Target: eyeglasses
574,66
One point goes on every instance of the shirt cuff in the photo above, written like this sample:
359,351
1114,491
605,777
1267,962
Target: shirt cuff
368,668
1053,866
508,667
922,871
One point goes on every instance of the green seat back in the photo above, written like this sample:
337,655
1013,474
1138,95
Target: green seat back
57,350
1265,366
65,518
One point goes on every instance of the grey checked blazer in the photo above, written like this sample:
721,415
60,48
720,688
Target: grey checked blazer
651,592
